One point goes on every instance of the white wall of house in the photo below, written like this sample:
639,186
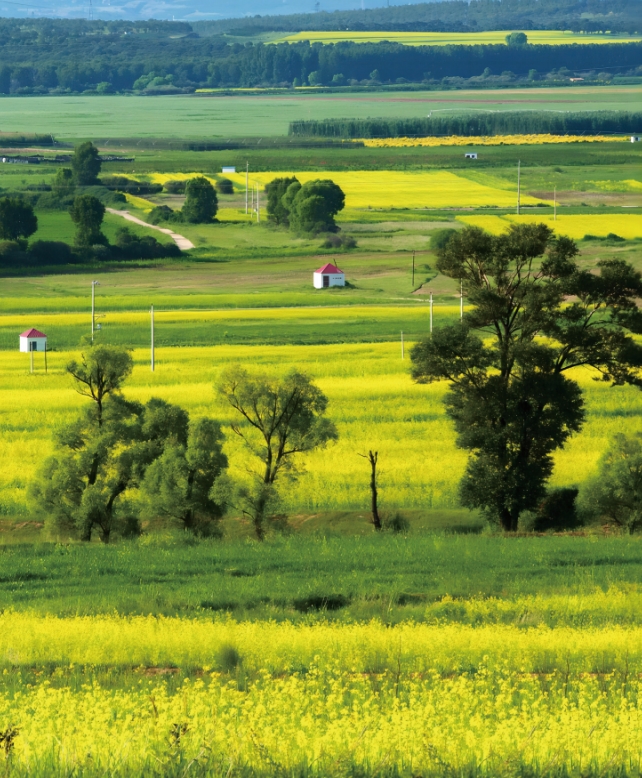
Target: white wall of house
33,344
334,279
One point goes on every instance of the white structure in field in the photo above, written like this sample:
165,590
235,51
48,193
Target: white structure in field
471,155
33,340
327,276
636,138
228,170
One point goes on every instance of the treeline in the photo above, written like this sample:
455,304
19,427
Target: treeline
156,66
511,122
453,15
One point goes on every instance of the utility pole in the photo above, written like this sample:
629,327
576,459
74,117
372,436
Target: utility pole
31,360
431,312
152,322
413,269
402,344
94,284
519,164
258,205
247,182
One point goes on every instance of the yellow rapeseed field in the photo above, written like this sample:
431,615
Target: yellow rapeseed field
542,37
575,226
486,140
372,400
405,189
320,700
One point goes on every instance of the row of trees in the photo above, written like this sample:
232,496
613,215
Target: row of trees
200,207
131,62
309,208
500,123
121,461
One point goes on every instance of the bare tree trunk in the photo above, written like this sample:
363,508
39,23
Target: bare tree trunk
372,457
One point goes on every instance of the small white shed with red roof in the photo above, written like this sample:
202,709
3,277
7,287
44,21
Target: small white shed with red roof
33,340
328,275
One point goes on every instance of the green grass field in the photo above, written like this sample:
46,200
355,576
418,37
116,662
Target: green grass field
212,116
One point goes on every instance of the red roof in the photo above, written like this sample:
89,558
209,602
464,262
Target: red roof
32,334
329,269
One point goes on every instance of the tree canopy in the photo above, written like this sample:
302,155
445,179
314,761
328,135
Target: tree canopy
87,213
17,219
201,203
86,164
535,315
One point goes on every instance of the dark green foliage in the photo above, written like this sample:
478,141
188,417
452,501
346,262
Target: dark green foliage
334,241
86,164
129,185
175,187
614,496
130,246
63,184
17,219
51,252
224,186
162,213
557,511
275,190
87,214
104,452
277,419
516,39
509,397
179,486
439,238
312,207
491,123
201,203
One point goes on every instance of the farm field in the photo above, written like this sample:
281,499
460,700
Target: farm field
536,37
372,400
576,227
227,116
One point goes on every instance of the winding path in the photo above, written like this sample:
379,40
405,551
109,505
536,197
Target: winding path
182,242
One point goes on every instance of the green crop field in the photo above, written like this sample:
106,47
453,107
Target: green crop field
213,116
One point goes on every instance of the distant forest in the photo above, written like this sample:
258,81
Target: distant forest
510,122
455,16
63,56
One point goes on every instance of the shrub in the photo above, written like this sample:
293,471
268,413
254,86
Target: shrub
557,511
130,246
225,186
397,524
439,238
175,187
162,213
334,241
124,184
51,252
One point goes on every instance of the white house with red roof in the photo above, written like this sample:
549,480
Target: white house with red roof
33,340
328,275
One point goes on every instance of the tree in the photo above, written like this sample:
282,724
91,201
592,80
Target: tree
373,457
179,485
224,186
277,211
516,39
280,418
87,213
201,203
63,184
17,219
537,315
313,206
615,494
86,164
105,452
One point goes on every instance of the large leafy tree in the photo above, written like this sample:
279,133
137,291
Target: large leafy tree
179,486
17,219
86,164
87,213
279,419
277,212
104,452
201,202
535,315
311,208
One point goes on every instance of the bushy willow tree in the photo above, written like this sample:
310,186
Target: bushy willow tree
535,315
